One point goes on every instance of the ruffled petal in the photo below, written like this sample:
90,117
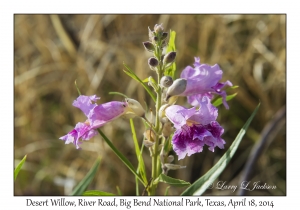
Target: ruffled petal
81,131
86,103
206,113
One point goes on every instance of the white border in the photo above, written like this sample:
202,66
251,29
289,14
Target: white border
154,6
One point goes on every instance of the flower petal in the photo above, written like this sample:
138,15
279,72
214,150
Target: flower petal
85,103
106,112
81,131
178,115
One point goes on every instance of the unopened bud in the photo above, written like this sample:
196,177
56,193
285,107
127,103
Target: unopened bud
158,28
135,107
149,46
161,112
166,81
153,62
167,129
178,87
164,35
170,158
169,58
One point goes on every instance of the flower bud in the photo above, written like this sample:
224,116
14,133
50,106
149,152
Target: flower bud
170,158
169,58
178,87
149,46
161,112
134,107
158,28
153,62
167,129
164,35
166,81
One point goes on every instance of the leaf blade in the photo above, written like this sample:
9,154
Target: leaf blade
83,184
19,166
121,156
97,193
171,181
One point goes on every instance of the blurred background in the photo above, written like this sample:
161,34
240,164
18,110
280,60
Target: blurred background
52,51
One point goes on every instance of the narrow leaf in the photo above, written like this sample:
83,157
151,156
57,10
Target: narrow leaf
120,156
118,93
19,166
97,193
171,181
218,101
199,187
141,166
83,184
130,73
77,88
171,47
167,190
119,191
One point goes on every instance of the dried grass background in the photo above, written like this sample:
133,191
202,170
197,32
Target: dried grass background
52,51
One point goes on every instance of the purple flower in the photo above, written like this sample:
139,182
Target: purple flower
195,128
202,80
97,116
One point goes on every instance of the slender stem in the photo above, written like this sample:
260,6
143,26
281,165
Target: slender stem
155,155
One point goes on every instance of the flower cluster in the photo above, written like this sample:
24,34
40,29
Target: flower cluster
197,126
194,127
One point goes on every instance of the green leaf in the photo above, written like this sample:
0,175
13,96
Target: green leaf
119,191
199,187
118,93
83,184
170,71
77,88
167,190
141,166
97,193
19,166
121,156
171,181
218,101
130,73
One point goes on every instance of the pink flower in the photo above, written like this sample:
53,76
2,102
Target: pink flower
97,116
195,128
195,83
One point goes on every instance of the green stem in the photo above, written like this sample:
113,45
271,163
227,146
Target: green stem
155,155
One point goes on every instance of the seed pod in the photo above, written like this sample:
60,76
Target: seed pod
148,143
166,81
149,46
169,58
178,87
153,62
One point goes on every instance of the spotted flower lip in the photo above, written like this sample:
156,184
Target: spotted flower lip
203,80
195,128
97,116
